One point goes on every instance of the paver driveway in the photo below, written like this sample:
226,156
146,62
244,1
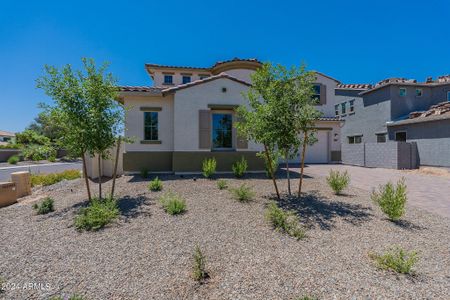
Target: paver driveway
429,192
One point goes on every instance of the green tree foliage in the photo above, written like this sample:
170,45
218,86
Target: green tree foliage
86,108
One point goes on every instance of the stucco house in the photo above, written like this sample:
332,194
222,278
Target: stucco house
6,136
402,117
188,115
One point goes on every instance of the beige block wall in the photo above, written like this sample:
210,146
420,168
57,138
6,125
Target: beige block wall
188,102
134,122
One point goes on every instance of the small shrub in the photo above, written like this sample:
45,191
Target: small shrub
199,272
98,214
209,167
52,159
397,260
37,152
13,159
2,284
391,200
144,173
222,184
52,178
155,185
240,167
45,207
338,181
284,221
172,203
274,158
243,193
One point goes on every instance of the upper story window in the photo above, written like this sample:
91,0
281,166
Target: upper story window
381,137
357,139
151,125
222,131
343,108
352,105
402,92
186,79
448,96
419,92
203,76
316,92
336,109
168,79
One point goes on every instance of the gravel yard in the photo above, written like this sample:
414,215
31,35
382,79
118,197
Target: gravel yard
147,254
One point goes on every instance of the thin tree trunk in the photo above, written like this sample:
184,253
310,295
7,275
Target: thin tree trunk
115,168
269,162
305,142
86,179
99,176
286,152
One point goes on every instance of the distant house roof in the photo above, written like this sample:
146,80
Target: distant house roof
354,86
7,133
436,112
204,80
441,80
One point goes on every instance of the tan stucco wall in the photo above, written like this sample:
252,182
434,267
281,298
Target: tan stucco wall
242,74
134,122
328,108
188,102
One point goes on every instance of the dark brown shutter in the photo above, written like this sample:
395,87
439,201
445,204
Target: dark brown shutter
204,132
241,142
323,94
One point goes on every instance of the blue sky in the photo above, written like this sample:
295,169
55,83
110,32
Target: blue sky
353,41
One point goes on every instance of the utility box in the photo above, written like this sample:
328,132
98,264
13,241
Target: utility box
8,193
23,183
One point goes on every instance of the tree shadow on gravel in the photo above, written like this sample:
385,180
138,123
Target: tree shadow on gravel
133,207
315,210
407,225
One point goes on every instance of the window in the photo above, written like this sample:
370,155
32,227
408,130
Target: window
381,137
402,92
357,139
222,131
418,92
400,136
336,109
352,105
168,79
316,93
186,79
343,108
448,96
151,125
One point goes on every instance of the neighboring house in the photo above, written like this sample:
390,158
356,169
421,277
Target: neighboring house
5,137
395,110
188,115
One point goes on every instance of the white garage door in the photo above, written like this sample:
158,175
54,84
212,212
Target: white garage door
317,153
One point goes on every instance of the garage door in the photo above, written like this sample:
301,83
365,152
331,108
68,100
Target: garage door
317,153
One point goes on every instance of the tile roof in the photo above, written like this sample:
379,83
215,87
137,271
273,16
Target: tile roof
440,111
234,60
354,86
200,81
143,89
6,133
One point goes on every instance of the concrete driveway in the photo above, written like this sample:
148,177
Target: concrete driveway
39,168
429,192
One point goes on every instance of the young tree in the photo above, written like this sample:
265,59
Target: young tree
85,104
257,122
306,116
